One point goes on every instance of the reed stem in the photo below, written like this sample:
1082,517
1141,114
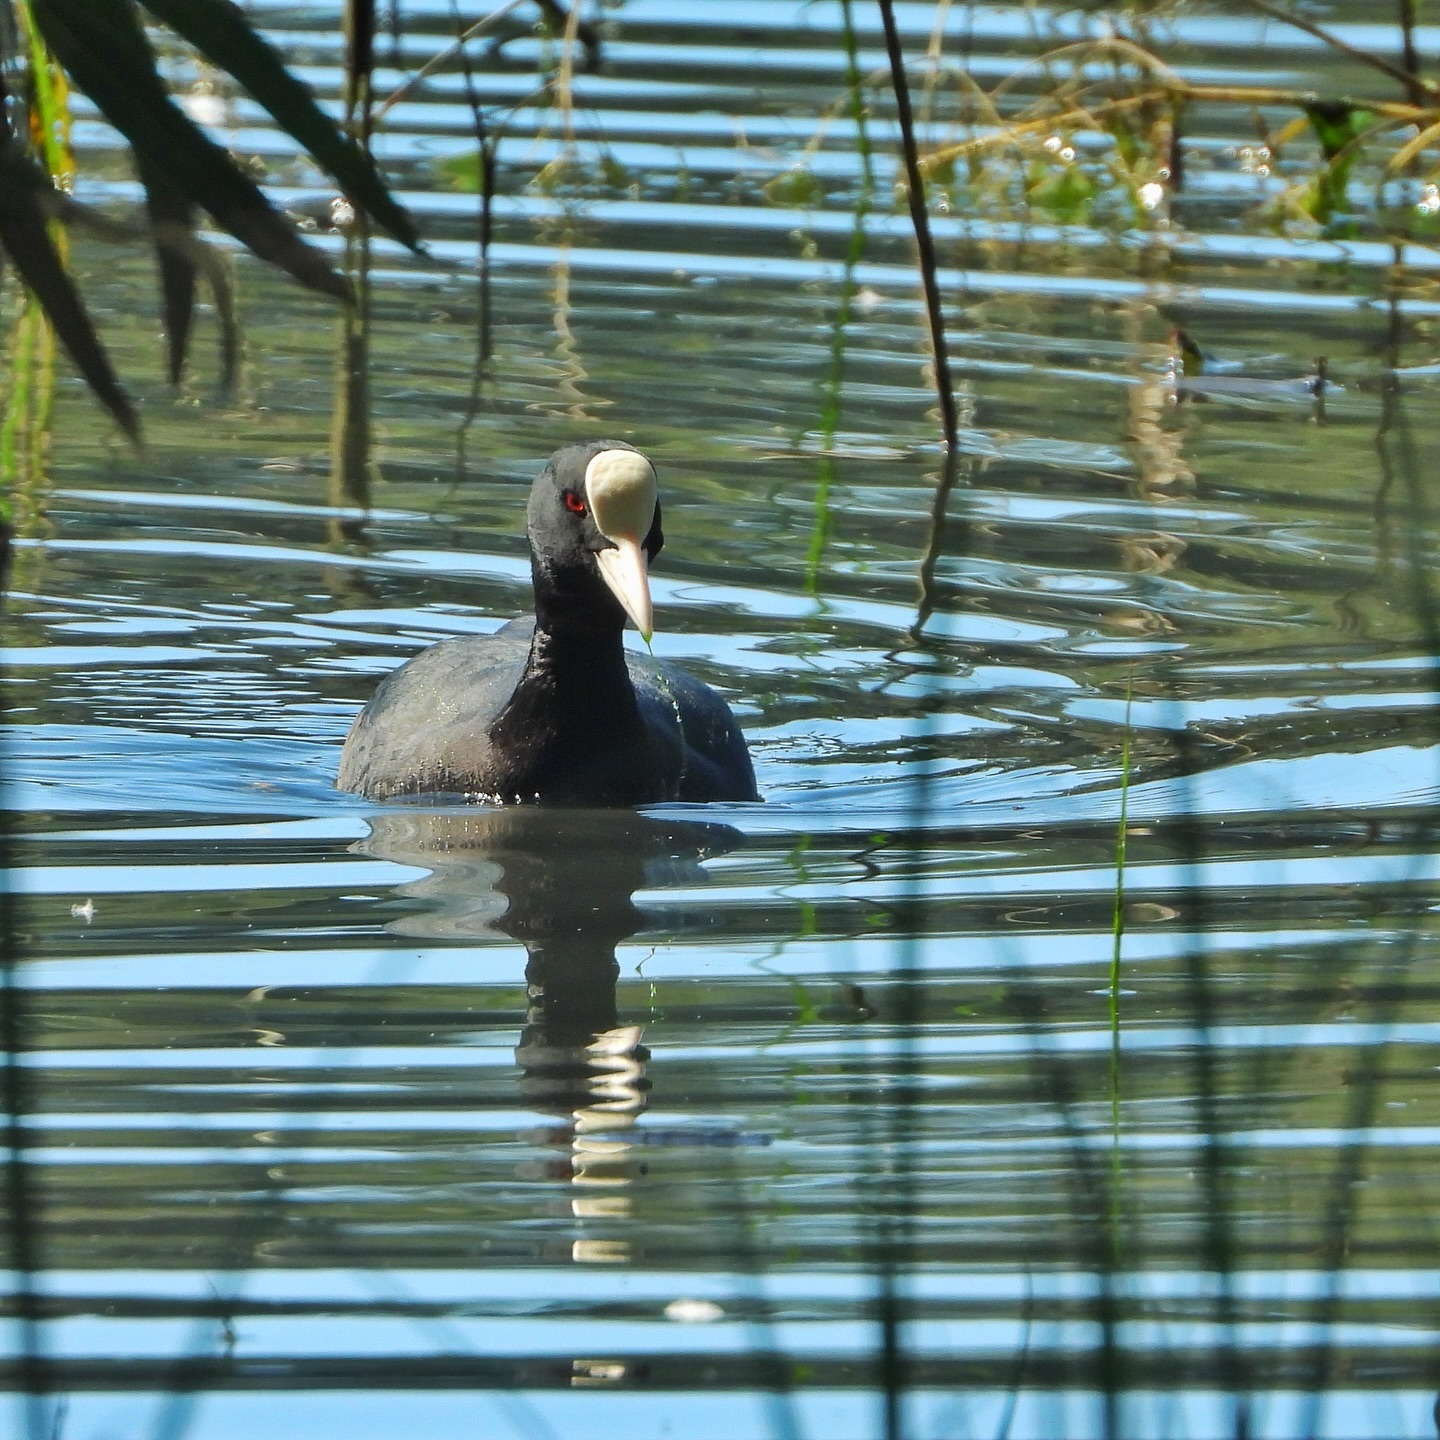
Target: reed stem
920,218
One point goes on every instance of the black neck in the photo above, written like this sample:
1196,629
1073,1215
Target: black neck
572,726
583,664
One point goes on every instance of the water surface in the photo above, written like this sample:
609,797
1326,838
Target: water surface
367,1121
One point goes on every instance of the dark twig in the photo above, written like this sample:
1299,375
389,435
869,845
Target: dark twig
457,47
559,20
920,217
485,156
935,543
1411,56
1408,77
351,433
897,1259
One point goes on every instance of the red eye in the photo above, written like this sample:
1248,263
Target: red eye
574,502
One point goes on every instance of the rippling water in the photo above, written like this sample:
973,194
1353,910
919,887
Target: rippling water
808,1118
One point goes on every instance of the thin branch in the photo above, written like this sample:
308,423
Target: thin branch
447,54
920,217
1408,51
1410,81
1396,112
1109,44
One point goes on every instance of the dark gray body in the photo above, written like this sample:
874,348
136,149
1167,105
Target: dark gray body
481,717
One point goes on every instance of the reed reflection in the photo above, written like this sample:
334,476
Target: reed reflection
562,883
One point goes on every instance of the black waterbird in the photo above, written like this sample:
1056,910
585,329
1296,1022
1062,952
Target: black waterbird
552,707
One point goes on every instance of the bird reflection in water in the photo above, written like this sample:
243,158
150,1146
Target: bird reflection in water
562,883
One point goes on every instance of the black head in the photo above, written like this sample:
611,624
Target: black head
594,527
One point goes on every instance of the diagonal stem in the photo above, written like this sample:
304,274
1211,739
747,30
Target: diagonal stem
920,218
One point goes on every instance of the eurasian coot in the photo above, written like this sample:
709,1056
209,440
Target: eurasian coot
552,707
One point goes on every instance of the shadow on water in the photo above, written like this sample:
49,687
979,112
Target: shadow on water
23,1257
563,884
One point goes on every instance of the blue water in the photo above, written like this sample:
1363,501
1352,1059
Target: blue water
374,1121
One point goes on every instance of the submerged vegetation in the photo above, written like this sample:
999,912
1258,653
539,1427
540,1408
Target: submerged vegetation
1087,129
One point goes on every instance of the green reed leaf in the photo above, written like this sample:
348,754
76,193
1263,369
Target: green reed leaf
101,45
25,238
220,31
172,223
1339,128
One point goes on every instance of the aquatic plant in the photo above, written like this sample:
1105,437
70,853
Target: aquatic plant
104,49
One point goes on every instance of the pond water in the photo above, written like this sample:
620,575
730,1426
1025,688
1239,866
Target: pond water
826,1116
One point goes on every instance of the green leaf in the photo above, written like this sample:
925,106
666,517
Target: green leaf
1338,126
614,174
101,45
940,173
1067,195
462,172
172,225
1192,357
795,190
182,256
25,237
220,31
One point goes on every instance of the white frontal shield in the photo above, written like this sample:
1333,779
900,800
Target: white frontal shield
621,491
